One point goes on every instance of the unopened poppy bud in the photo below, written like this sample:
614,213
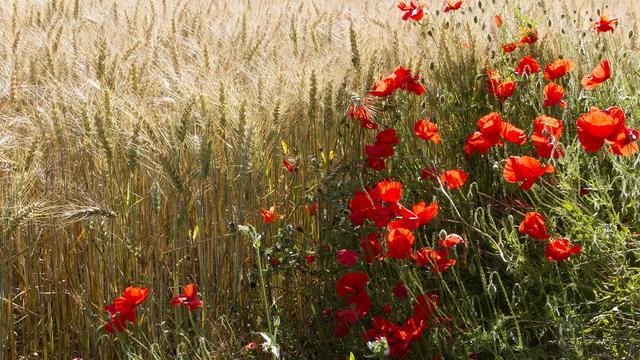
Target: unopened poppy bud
491,289
442,235
510,219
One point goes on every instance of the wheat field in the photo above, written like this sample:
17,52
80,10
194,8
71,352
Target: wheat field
138,135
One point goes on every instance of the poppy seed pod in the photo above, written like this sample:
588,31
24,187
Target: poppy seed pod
442,235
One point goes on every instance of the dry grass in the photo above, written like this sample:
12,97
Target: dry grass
136,135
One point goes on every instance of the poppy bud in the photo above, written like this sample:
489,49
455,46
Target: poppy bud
491,289
510,219
442,235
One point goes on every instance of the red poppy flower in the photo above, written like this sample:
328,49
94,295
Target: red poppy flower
599,126
287,165
534,226
527,66
525,169
399,243
274,261
424,212
351,286
427,130
371,247
400,79
389,191
560,249
553,94
188,298
453,5
387,136
379,149
310,259
347,258
509,47
412,11
513,134
268,216
351,283
375,163
505,90
498,20
451,240
530,37
546,133
400,290
625,142
454,178
558,68
480,143
605,24
436,258
599,75
426,305
123,308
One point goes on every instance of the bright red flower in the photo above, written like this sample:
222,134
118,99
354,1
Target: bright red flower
599,75
188,298
429,173
553,94
509,47
412,11
400,243
453,5
558,68
480,143
505,90
400,290
527,66
436,258
454,178
371,247
546,133
375,163
534,226
387,136
599,126
529,37
425,212
400,79
351,283
625,142
287,165
379,149
498,20
310,259
513,134
123,308
347,258
525,169
560,249
268,216
605,24
362,113
451,240
427,130
389,191
490,124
